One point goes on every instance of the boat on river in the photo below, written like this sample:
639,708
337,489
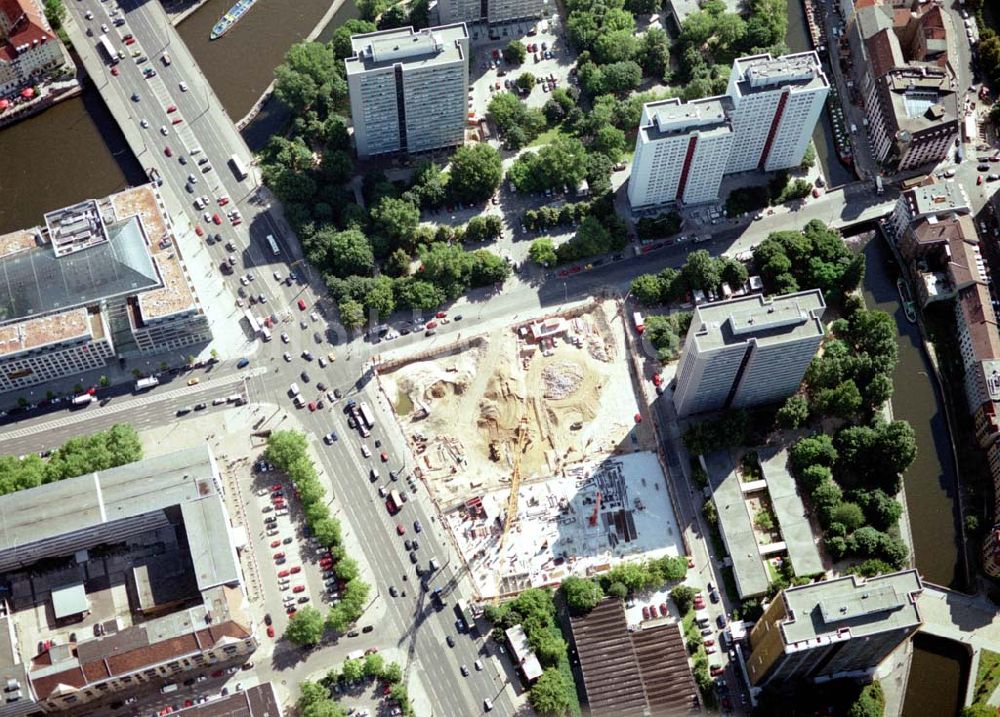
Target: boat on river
909,308
232,16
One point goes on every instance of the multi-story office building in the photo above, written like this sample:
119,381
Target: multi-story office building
904,77
764,122
493,12
835,628
776,104
408,89
100,278
118,579
748,351
681,152
28,49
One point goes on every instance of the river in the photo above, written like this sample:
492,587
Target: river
75,150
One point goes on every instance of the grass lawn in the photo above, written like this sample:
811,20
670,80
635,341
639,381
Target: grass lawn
988,676
548,136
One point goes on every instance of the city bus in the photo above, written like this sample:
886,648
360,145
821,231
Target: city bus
252,320
105,44
366,416
238,169
273,244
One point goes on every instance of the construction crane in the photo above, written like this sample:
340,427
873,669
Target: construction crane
597,510
515,483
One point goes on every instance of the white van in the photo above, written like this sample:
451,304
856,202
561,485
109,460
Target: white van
294,388
299,402
172,687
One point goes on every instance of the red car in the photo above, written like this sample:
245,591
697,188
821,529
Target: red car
384,456
299,589
645,612
297,568
278,556
199,231
326,563
400,529
816,193
440,315
223,201
979,179
657,379
302,305
312,406
177,120
277,486
663,609
717,670
129,40
171,108
114,71
431,325
275,543
270,630
708,642
216,219
282,573
169,152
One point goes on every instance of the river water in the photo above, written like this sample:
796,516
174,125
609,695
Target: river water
75,150
937,674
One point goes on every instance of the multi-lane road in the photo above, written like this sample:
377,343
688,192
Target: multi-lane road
409,623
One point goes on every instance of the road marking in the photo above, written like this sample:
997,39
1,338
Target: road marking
146,400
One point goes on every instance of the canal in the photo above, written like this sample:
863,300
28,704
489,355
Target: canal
75,150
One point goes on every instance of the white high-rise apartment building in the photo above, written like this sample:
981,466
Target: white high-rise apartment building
764,122
776,104
408,89
748,351
489,11
681,152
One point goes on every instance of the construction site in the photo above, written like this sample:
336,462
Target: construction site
538,420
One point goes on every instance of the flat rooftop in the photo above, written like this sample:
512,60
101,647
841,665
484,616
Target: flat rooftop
936,198
256,701
672,118
736,526
30,519
427,47
793,519
865,607
766,320
764,73
922,97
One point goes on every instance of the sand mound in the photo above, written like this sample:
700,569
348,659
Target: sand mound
561,380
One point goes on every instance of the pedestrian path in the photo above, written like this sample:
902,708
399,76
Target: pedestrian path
89,414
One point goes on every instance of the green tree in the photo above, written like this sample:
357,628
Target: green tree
449,267
543,252
418,294
352,314
813,450
621,78
483,228
609,141
617,46
395,218
842,401
488,268
340,44
552,695
353,670
849,515
374,665
653,53
55,13
305,628
683,597
285,447
809,158
561,163
392,673
476,171
701,271
350,253
327,532
371,9
582,595
525,81
309,75
515,52
647,289
794,413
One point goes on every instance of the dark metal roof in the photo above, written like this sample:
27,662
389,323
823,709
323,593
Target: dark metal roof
637,673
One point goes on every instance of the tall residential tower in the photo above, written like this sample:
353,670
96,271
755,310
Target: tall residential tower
408,89
748,351
681,152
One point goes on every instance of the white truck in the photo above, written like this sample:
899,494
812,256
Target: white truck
146,383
